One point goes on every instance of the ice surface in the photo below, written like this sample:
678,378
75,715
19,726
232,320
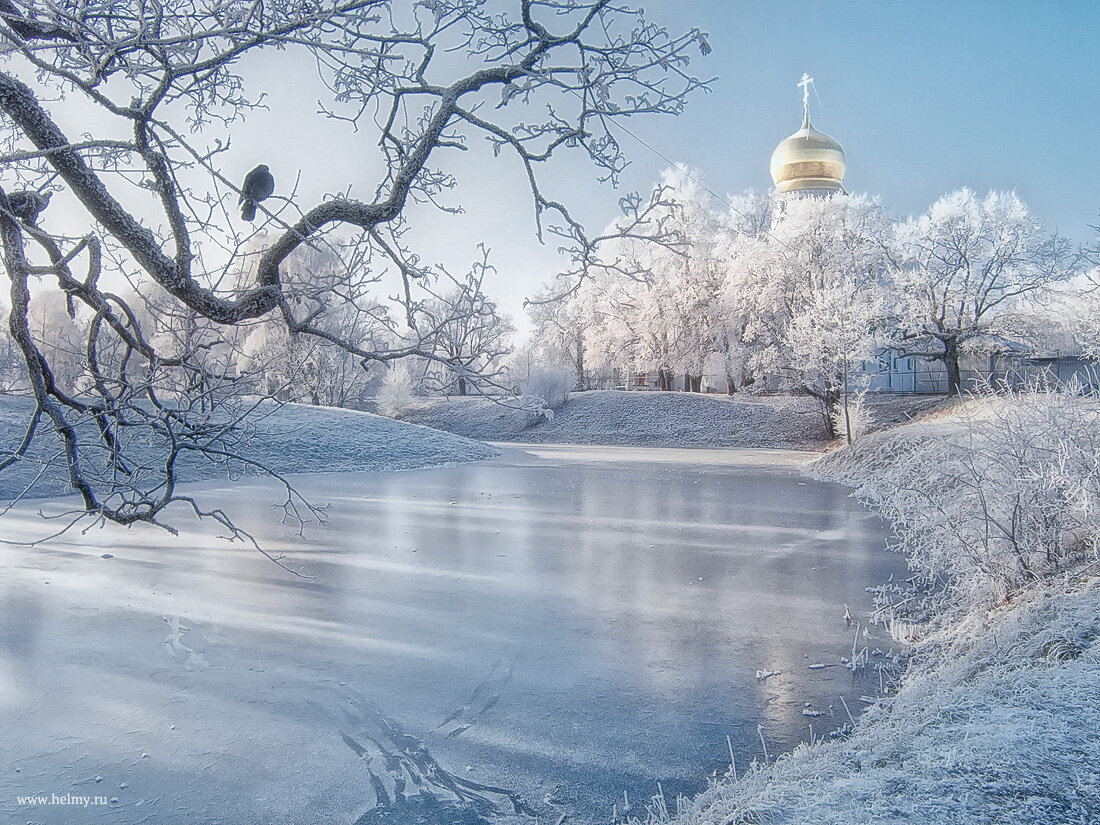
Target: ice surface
535,633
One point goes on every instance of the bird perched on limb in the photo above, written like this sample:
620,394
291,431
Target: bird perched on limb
258,184
26,206
30,28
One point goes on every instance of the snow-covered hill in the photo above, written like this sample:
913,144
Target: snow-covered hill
658,419
643,419
288,438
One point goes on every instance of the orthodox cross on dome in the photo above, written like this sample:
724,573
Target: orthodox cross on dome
805,84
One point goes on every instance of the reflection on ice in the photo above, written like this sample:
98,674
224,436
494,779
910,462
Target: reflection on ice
538,633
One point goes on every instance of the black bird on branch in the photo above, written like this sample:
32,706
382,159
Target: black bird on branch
29,28
26,206
258,184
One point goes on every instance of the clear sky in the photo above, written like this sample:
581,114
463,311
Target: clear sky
924,96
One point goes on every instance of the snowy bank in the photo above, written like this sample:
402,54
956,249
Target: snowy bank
286,438
641,419
656,419
997,724
997,718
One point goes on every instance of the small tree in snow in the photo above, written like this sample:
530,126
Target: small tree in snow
466,332
395,396
852,419
551,384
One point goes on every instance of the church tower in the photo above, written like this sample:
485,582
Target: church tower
808,162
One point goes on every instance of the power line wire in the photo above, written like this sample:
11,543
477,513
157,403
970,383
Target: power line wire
691,177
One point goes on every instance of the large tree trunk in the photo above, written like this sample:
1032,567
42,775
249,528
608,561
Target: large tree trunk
581,384
731,384
951,362
696,383
461,385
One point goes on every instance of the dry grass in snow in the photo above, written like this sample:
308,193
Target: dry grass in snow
997,722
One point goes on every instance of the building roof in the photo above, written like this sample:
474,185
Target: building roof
808,160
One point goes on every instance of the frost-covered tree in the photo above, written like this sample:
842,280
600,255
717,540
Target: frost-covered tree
961,265
466,333
557,332
689,276
142,192
395,395
746,222
58,331
810,289
651,304
1088,309
1089,329
314,369
606,302
836,329
198,356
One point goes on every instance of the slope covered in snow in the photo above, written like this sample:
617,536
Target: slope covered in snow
287,438
999,724
641,419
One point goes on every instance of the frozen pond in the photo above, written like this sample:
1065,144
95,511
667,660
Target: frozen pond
537,633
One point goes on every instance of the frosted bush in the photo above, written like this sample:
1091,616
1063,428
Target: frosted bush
1002,500
395,396
551,384
853,423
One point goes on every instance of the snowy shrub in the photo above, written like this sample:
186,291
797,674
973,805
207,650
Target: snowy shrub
551,384
395,396
1000,501
852,422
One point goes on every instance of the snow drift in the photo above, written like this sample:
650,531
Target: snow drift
286,438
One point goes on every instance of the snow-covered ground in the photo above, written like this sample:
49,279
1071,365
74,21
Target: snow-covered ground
656,419
644,419
998,718
287,438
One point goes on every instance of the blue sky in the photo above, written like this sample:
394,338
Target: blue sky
925,97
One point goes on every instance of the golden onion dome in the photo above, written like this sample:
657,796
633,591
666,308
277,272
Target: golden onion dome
808,160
